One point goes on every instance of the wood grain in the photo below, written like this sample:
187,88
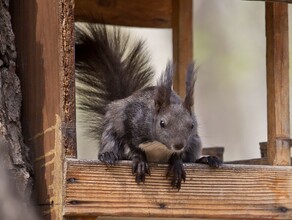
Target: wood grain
277,62
136,13
231,192
182,35
255,161
38,69
45,61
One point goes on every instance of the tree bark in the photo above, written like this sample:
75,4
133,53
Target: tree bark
14,153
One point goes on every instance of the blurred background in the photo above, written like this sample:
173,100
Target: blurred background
230,93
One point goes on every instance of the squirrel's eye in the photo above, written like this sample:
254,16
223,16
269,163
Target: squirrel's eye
192,126
162,123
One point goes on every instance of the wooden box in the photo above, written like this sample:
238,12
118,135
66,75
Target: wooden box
72,188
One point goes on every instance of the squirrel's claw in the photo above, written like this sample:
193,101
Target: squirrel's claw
140,168
109,158
177,172
212,161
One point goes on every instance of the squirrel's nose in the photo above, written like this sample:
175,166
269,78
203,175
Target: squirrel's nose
178,146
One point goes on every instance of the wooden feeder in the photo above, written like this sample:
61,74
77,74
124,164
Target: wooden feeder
66,187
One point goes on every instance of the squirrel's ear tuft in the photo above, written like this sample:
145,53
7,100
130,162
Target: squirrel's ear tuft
163,89
190,83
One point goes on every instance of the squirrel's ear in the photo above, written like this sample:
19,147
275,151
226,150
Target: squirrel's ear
163,89
190,83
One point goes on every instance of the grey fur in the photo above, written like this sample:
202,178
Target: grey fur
124,112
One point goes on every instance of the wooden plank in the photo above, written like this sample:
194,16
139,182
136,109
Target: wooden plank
136,13
37,62
182,37
45,61
38,69
255,161
277,62
231,192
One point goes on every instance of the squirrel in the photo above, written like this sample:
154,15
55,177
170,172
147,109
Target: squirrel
123,110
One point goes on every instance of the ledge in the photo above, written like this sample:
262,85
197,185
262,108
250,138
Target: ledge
231,192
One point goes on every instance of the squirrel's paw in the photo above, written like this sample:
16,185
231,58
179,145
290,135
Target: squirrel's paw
109,158
212,161
177,172
140,168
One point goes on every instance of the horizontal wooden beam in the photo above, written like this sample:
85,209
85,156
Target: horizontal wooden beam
231,192
136,13
255,161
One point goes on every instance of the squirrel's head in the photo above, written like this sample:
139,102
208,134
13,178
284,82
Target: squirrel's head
174,121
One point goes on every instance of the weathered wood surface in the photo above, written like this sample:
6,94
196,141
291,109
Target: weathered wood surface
44,39
136,13
231,192
182,41
277,62
255,161
67,77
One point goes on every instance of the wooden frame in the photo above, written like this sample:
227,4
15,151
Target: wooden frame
73,188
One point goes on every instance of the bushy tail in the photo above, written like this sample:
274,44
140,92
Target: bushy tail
108,67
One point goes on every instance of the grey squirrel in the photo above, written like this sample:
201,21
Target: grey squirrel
123,111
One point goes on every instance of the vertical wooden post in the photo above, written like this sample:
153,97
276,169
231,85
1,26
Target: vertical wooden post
67,77
182,38
45,64
277,63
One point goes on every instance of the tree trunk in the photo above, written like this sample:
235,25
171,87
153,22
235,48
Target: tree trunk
14,153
